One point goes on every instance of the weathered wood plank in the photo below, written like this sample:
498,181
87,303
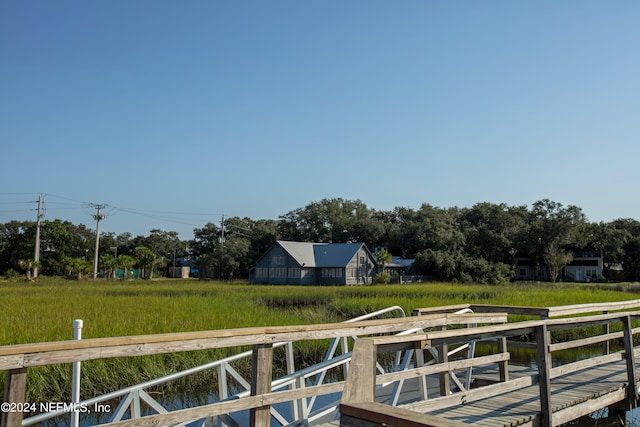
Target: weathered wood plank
440,309
586,341
38,354
394,416
511,309
361,386
570,310
584,364
544,377
15,388
574,412
470,395
442,367
261,372
630,359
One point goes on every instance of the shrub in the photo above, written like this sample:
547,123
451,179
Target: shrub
382,278
11,274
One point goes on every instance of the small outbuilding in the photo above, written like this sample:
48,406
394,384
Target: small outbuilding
303,263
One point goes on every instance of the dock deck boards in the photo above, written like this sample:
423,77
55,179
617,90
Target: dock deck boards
573,392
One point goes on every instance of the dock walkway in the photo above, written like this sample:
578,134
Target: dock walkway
572,396
548,396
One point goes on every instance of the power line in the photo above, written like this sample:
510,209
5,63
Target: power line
59,204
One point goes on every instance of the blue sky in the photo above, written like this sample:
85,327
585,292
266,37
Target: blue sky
176,113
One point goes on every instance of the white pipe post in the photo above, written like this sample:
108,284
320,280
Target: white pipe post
75,378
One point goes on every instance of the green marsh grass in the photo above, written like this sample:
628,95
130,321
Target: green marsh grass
44,311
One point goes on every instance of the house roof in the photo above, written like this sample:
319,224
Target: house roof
321,254
399,262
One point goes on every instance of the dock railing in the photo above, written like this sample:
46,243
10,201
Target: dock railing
359,406
539,312
16,360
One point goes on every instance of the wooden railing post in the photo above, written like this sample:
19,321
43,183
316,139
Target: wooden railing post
15,388
543,360
361,382
445,379
632,389
261,377
503,367
606,329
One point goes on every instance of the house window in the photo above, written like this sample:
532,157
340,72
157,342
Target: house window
262,272
361,260
308,273
523,272
278,272
332,272
294,272
277,260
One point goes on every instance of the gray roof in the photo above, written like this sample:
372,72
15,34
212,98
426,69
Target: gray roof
397,262
321,254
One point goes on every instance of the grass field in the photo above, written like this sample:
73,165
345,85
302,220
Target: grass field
44,311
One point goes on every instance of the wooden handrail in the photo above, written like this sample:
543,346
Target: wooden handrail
27,355
16,358
542,312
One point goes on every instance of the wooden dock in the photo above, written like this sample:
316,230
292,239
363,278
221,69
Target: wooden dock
435,394
549,396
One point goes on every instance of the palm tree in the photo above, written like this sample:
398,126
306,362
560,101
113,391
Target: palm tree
109,264
125,262
383,257
145,258
77,267
28,265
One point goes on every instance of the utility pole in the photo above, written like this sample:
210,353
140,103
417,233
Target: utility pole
222,230
36,251
98,217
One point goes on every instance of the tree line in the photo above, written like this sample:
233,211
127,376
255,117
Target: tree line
477,244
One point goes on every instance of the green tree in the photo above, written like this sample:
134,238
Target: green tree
61,240
264,233
383,257
556,259
630,255
146,260
28,265
16,243
76,267
162,243
553,228
225,259
205,239
109,264
492,231
126,263
330,220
